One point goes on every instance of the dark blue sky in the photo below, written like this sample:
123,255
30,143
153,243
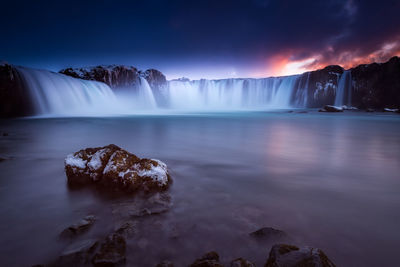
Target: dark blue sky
210,39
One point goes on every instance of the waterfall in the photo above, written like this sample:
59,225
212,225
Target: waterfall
136,98
281,99
54,94
232,94
57,94
344,85
300,98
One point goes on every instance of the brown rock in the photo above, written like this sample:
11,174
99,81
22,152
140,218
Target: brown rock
211,259
79,227
268,233
115,168
283,255
165,264
111,252
240,262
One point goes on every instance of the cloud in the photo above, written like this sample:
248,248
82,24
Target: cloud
294,62
350,8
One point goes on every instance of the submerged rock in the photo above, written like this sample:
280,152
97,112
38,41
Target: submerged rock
283,255
165,264
138,207
240,262
77,254
370,110
330,108
268,233
211,259
114,168
78,228
127,229
111,251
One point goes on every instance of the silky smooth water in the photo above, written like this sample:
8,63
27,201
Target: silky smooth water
54,95
328,180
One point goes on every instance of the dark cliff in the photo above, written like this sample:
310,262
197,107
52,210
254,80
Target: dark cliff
377,85
14,96
118,76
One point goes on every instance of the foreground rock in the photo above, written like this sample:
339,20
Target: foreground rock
165,263
77,254
79,227
268,233
211,259
283,255
110,251
240,262
330,108
115,168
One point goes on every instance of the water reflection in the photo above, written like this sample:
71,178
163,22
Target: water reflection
328,181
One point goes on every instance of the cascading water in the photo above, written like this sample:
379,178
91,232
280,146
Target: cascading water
344,86
283,92
232,94
136,98
301,95
55,94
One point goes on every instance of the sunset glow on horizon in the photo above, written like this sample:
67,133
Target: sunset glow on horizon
283,65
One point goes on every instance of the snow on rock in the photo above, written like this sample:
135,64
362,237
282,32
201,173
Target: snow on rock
96,161
75,161
115,168
330,108
391,110
112,75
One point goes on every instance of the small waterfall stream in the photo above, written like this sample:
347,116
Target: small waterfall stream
343,93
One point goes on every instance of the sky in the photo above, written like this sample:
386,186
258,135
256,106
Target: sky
200,39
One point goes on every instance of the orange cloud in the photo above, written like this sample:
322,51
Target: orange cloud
282,64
